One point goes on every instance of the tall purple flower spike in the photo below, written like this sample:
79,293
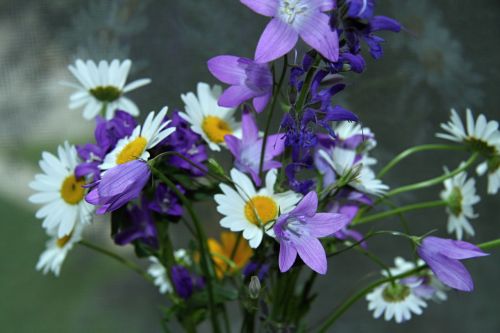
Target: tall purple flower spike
443,255
246,151
247,78
119,185
298,232
291,19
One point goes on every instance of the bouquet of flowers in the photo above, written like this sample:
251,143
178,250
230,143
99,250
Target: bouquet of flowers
290,195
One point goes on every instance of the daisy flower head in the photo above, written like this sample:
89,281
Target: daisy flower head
136,146
207,118
460,194
250,210
352,135
102,87
60,192
57,249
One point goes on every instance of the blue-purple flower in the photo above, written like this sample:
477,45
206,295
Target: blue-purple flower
184,282
137,225
166,202
443,255
349,211
298,232
248,79
247,150
119,185
291,19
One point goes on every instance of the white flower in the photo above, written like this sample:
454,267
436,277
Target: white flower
344,163
460,194
60,192
492,167
207,118
249,210
136,146
57,249
102,87
159,274
348,130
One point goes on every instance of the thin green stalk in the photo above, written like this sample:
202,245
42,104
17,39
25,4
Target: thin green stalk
118,258
490,245
307,83
270,114
206,262
413,150
399,210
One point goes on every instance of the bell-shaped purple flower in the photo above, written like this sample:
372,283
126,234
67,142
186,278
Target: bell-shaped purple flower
291,19
298,232
119,185
184,282
247,78
443,255
247,150
137,225
166,202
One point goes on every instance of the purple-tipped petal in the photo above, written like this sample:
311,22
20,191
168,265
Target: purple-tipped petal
275,146
226,68
313,254
262,7
317,33
307,206
233,144
277,39
287,256
326,224
453,249
260,102
234,96
249,128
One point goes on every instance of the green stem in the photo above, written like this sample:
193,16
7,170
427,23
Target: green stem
206,262
413,150
489,245
307,83
399,210
118,258
270,114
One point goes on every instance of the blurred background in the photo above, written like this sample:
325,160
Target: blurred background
448,58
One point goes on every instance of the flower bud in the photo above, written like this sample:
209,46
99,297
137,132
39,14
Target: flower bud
254,287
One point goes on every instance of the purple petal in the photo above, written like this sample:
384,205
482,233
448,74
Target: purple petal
260,102
384,23
307,206
316,32
326,5
262,7
226,68
277,39
287,256
234,96
325,224
249,128
453,249
312,253
233,144
93,197
275,146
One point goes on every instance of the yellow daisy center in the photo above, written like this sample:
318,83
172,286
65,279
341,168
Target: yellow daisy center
72,191
261,209
215,128
132,151
63,240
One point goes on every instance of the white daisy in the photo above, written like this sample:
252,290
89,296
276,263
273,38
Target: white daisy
361,177
207,118
60,192
492,167
159,274
346,130
57,249
460,194
102,87
136,146
249,210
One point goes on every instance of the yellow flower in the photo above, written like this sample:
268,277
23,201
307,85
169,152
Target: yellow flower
222,253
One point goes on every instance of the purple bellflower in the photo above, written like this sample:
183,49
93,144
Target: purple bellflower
138,226
350,211
291,19
443,255
298,232
248,79
166,202
246,151
184,282
119,185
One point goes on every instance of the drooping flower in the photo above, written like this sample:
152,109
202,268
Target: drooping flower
291,19
119,185
460,194
102,87
207,118
60,192
248,80
57,250
143,138
298,231
443,255
137,225
249,210
247,150
226,256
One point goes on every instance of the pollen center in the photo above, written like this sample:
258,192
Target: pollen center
132,151
395,293
60,242
455,201
106,93
72,191
215,128
265,207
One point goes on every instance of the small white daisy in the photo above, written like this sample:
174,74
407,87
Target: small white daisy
60,192
136,146
460,194
346,130
57,249
492,167
102,88
344,162
249,210
207,118
159,274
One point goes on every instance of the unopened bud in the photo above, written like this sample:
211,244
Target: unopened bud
254,287
215,167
